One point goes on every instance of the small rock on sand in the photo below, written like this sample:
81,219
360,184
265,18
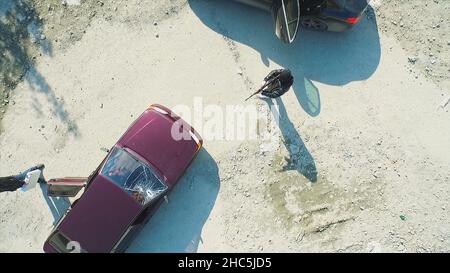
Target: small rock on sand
445,102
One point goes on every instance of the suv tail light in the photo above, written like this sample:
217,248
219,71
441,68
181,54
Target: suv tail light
353,20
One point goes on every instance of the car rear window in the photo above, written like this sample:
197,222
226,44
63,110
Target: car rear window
62,244
59,242
133,176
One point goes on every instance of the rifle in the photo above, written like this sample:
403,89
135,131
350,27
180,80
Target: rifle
264,86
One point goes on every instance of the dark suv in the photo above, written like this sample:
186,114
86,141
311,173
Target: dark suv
323,15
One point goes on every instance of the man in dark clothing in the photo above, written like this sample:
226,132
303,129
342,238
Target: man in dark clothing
15,182
275,84
278,82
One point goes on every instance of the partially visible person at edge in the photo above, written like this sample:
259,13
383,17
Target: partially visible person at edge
15,182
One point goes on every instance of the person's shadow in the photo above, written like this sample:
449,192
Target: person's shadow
300,159
326,57
178,224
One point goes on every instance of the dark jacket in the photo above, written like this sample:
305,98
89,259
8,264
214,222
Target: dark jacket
279,83
10,183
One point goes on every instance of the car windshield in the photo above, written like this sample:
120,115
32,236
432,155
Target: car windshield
133,176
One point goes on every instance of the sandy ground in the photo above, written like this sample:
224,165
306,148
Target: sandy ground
364,136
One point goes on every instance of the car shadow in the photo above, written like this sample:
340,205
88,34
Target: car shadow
300,159
21,39
326,57
57,205
178,224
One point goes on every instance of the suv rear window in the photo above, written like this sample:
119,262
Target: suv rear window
133,176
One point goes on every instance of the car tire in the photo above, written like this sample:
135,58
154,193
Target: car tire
313,23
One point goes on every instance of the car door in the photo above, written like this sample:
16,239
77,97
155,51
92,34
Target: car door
137,225
66,187
71,186
286,14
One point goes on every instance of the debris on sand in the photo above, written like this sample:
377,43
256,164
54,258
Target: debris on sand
71,2
445,102
300,237
322,228
412,60
318,209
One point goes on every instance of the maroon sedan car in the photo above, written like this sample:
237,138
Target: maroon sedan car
128,186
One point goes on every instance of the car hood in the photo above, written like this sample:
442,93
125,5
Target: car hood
100,217
151,138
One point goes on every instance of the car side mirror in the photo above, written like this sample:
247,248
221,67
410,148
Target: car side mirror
286,15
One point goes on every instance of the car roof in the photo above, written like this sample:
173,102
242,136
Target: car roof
100,216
